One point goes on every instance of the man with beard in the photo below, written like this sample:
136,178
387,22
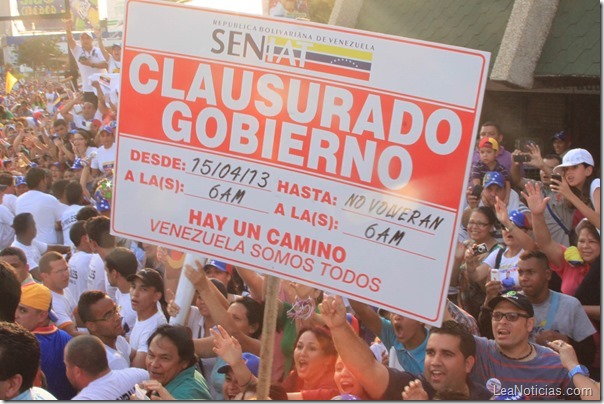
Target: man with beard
449,360
102,318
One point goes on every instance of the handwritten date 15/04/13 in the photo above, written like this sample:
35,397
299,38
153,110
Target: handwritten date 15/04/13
231,173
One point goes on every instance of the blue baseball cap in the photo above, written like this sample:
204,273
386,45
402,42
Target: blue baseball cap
520,219
251,361
217,264
20,180
493,177
562,135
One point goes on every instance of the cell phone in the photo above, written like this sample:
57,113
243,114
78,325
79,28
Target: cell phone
477,190
494,274
522,158
557,177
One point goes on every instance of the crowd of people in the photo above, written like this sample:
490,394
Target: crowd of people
84,314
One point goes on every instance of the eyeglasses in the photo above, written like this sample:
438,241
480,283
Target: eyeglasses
479,224
511,316
111,315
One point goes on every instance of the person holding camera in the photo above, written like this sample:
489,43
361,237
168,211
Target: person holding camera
516,226
481,241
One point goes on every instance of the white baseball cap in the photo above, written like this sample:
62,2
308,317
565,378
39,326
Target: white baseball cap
575,157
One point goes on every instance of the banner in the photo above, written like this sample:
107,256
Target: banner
320,154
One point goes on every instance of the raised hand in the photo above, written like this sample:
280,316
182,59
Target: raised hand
333,312
226,346
534,198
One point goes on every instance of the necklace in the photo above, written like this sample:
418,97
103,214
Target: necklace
522,357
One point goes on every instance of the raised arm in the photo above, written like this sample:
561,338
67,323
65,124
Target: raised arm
593,215
525,241
99,35
367,316
217,305
355,353
537,204
70,39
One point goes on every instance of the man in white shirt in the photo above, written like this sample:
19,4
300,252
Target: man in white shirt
45,208
74,197
102,243
25,239
120,265
90,60
79,263
89,372
102,318
54,272
146,290
9,199
104,161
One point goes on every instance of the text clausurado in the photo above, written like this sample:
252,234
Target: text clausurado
345,133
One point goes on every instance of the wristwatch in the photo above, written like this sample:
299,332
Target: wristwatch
579,369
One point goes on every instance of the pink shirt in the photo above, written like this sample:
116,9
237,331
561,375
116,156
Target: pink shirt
572,276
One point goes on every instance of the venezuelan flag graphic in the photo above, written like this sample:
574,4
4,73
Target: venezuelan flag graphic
325,58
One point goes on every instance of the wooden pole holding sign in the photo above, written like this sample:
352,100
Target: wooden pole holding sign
268,336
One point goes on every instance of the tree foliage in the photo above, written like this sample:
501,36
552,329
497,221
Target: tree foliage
39,52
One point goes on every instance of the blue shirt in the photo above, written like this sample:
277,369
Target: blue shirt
52,347
411,360
189,385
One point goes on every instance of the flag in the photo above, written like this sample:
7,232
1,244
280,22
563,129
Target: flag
10,82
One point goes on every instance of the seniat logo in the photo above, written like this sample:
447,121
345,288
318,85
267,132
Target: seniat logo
303,54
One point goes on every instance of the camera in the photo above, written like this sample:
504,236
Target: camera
523,143
557,177
480,249
477,190
522,158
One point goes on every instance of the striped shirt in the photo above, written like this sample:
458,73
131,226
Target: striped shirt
542,377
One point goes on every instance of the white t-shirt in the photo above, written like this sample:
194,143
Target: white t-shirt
97,274
595,184
115,385
506,263
46,210
128,314
79,265
64,307
10,201
80,122
143,330
95,56
105,159
33,252
7,233
68,218
119,358
114,65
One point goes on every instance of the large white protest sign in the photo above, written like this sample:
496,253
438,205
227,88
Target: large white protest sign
314,153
